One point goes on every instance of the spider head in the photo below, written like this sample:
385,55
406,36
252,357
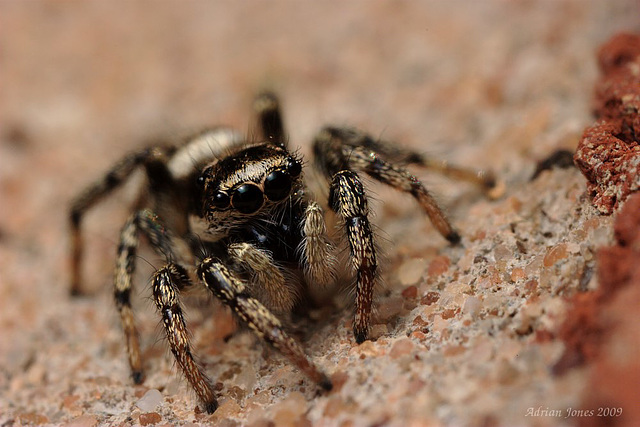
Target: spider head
248,182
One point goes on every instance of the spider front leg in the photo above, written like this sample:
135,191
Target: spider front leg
167,282
231,291
316,249
347,199
268,282
148,223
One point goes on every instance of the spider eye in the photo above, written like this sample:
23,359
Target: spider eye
294,168
221,200
277,185
247,198
200,181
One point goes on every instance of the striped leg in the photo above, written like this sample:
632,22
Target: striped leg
167,282
399,178
148,223
338,149
231,291
484,179
125,267
347,199
89,197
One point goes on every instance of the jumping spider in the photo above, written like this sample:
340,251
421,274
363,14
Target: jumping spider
236,216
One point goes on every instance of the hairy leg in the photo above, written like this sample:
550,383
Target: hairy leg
125,267
92,195
268,283
399,178
168,170
348,200
336,150
394,153
316,250
167,282
232,292
146,222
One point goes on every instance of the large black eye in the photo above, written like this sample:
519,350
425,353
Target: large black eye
247,198
221,200
277,185
294,167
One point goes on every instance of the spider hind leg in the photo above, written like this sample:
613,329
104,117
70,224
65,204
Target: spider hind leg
339,149
125,267
267,108
90,197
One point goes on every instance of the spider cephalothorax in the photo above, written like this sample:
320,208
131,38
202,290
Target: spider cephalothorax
254,180
235,216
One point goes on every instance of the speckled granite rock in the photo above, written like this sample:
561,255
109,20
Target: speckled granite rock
464,335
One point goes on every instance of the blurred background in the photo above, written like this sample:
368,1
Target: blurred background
489,84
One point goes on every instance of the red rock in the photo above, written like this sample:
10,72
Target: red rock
609,153
618,264
419,322
338,379
430,298
449,313
410,293
417,335
555,254
627,225
70,400
517,274
585,328
610,164
615,374
439,265
531,287
618,51
150,418
31,418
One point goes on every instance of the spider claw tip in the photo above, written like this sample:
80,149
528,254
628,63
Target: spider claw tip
326,384
210,407
454,238
138,377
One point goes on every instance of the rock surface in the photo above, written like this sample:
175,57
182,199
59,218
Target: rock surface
475,334
609,152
